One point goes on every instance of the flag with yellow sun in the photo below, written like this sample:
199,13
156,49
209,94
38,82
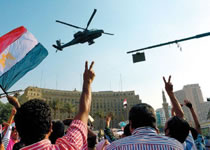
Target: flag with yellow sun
20,52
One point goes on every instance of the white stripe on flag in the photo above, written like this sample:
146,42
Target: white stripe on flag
125,102
16,51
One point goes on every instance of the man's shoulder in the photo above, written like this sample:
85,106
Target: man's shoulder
145,140
120,142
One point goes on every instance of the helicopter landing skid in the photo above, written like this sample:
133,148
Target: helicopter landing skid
91,42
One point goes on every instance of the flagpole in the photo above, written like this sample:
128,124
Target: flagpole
4,90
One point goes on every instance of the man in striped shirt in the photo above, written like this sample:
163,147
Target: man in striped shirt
33,122
144,136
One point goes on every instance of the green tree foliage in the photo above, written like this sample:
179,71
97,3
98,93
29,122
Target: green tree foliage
69,108
101,116
5,111
55,105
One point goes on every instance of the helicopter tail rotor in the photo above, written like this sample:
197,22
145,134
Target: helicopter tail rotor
58,45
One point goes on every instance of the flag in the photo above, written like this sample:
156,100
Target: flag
20,52
125,103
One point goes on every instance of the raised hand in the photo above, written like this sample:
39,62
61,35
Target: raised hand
14,101
168,85
108,120
86,97
89,73
188,103
175,103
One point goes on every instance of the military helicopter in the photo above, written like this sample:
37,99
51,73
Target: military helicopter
81,36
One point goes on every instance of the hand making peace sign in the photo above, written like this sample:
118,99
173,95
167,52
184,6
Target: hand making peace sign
89,73
168,85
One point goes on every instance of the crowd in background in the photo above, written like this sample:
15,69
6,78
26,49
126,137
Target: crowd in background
33,127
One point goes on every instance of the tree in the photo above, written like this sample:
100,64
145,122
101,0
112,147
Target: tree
5,111
69,108
55,105
100,115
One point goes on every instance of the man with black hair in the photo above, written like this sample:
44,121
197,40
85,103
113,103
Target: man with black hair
177,128
33,122
142,121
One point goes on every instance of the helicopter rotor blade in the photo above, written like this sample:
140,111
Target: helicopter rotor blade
70,25
91,18
108,33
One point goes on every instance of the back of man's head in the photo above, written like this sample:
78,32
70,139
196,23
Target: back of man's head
178,128
33,121
126,131
142,115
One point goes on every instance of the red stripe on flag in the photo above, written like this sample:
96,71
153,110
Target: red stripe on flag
125,101
10,37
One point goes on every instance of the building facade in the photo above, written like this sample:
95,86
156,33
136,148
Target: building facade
193,93
161,117
64,104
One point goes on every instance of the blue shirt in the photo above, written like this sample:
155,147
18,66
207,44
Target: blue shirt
189,143
200,142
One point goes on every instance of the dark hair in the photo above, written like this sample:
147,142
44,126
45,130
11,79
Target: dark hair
58,131
194,133
67,121
18,146
13,128
142,115
91,140
33,121
178,128
127,131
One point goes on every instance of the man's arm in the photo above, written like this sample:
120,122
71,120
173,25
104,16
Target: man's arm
12,116
6,138
172,112
195,118
76,136
108,132
169,89
108,120
85,99
13,101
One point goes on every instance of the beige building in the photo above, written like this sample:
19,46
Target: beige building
192,93
103,103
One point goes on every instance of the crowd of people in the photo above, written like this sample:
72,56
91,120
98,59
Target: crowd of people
34,129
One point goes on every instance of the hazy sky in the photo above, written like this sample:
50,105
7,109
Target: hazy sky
136,24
